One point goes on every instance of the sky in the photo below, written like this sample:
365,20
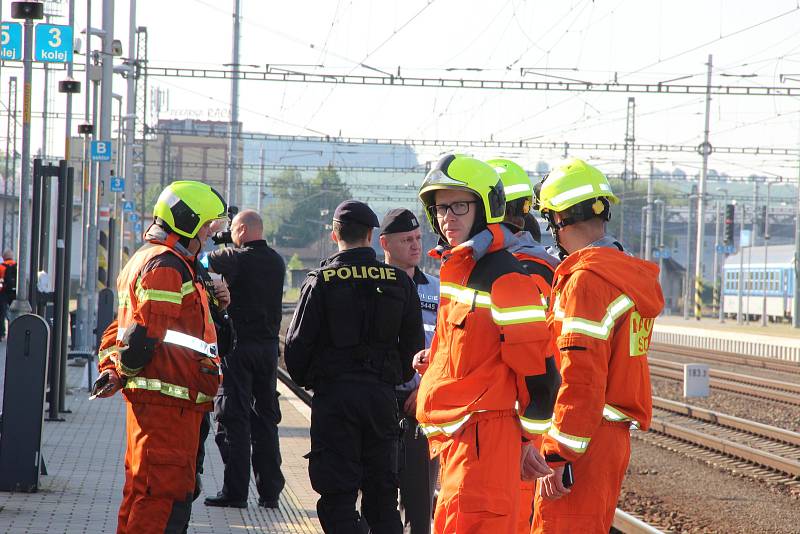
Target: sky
633,41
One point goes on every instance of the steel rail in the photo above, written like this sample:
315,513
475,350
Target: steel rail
730,421
734,377
728,447
726,357
735,387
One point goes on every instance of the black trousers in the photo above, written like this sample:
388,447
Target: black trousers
354,446
247,412
417,480
3,314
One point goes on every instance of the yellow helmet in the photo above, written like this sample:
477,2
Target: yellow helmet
572,183
457,171
187,205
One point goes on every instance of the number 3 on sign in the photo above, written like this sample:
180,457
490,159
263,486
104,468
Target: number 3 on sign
55,37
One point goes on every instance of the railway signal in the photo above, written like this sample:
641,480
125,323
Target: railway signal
730,210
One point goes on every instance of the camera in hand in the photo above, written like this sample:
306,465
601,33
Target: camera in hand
222,238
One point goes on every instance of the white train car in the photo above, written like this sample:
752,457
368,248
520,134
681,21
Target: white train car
775,279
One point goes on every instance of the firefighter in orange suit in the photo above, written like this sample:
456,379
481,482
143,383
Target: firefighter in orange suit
540,265
161,351
603,306
486,361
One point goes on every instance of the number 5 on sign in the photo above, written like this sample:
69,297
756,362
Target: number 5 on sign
11,41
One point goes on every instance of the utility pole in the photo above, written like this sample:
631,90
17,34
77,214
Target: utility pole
796,297
740,284
648,233
750,271
716,297
104,167
629,166
687,290
29,11
233,143
705,150
765,280
9,174
262,159
130,122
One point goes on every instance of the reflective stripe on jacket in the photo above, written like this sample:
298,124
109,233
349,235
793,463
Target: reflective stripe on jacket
603,308
184,369
490,325
536,418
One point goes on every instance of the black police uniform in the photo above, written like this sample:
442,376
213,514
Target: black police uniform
246,408
355,330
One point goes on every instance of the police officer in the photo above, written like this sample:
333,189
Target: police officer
246,407
401,241
355,330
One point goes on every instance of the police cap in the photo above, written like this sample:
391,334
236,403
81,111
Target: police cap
357,212
399,220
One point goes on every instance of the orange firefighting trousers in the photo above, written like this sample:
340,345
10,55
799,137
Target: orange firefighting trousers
480,477
589,507
526,491
159,468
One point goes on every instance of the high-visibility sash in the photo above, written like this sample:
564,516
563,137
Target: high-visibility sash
130,291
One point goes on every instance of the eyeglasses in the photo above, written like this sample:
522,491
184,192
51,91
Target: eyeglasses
456,208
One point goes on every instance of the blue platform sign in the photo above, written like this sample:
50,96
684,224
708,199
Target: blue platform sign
127,205
729,249
11,41
665,254
53,43
133,217
117,184
101,150
656,254
137,227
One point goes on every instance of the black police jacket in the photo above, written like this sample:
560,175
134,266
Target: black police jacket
254,273
356,318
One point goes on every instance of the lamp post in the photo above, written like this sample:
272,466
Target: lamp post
766,254
718,281
29,11
661,204
687,294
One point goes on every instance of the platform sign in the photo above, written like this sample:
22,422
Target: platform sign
656,254
11,41
666,254
127,205
117,184
101,150
53,43
729,249
137,227
744,237
133,217
695,380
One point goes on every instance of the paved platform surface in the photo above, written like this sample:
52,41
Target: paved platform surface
777,330
84,457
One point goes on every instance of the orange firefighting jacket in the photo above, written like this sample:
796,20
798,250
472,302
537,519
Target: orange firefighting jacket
159,290
604,303
491,334
540,266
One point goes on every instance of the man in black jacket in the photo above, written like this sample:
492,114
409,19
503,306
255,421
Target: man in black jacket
246,408
354,333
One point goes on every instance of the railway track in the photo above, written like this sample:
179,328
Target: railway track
773,448
763,388
725,357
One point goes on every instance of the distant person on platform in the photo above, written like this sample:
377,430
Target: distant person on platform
8,287
246,407
401,241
